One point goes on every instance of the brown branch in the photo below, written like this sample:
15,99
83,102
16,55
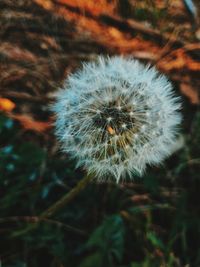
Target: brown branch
36,219
124,25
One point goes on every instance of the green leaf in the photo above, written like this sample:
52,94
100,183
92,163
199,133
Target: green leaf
156,242
92,260
108,240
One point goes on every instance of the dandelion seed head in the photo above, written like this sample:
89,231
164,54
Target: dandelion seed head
116,116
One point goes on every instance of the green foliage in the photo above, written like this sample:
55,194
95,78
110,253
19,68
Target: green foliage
151,222
107,242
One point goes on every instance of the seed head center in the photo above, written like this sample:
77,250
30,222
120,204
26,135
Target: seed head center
114,119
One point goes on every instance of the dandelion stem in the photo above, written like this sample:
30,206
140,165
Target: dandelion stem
66,198
61,203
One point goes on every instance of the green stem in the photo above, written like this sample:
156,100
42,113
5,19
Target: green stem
61,203
66,198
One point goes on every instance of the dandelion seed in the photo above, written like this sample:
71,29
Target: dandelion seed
148,114
109,119
116,116
135,136
143,128
119,107
111,130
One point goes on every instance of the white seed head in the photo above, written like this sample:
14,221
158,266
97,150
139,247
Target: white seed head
116,115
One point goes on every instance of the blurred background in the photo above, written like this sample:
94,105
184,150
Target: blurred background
152,221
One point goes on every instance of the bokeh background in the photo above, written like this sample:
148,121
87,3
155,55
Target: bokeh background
149,222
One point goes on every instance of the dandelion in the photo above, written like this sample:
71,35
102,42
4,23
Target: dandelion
116,116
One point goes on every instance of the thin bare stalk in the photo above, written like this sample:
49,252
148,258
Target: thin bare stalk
61,203
66,198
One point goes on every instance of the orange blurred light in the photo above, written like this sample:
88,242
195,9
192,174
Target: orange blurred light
6,105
